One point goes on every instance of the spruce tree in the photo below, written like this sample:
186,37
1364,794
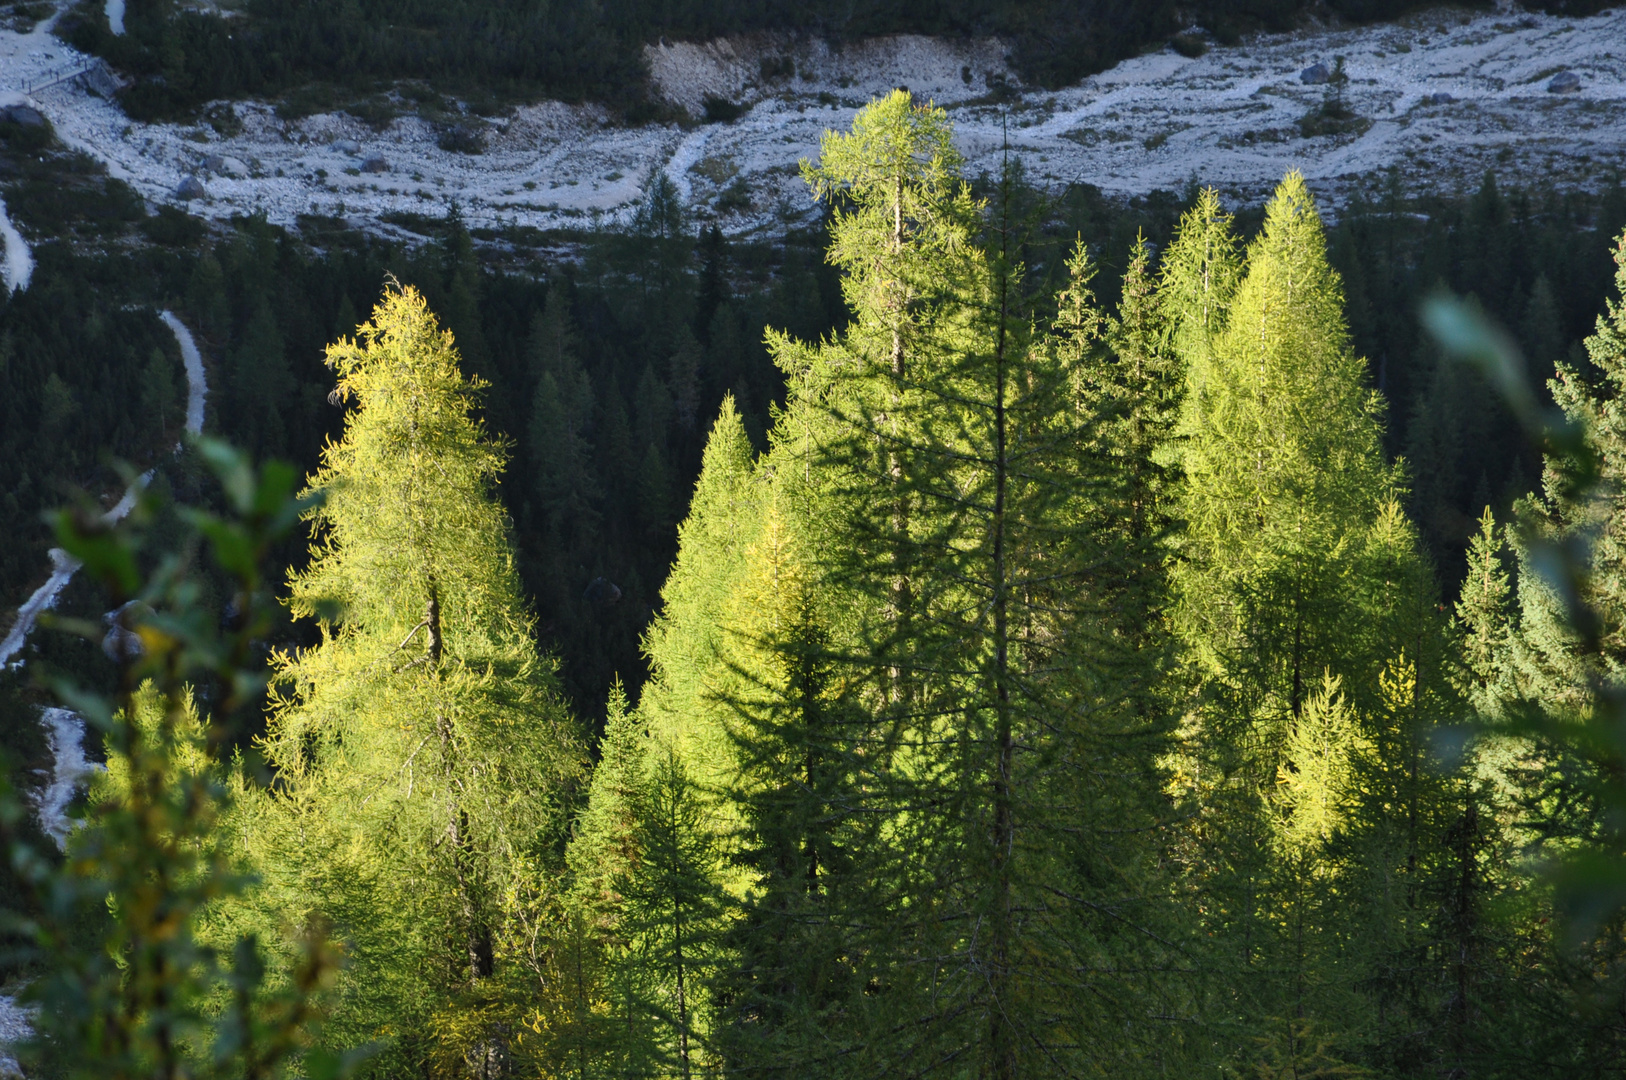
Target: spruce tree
792,987
1551,664
1482,618
564,479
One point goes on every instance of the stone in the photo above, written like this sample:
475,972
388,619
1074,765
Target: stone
23,116
214,163
230,166
1565,82
1441,98
375,164
1315,74
191,188
347,146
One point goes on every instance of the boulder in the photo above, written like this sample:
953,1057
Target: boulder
230,166
1315,74
191,188
214,163
1565,82
375,164
22,115
347,146
1441,98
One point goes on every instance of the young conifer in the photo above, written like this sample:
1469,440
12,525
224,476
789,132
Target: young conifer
684,640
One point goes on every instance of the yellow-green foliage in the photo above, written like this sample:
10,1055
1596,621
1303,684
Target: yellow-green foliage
1284,467
422,754
680,703
1316,777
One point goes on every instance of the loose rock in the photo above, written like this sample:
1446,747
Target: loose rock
191,188
1315,74
375,164
1565,82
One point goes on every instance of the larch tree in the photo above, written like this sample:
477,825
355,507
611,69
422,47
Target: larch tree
684,641
1284,471
421,747
953,469
1295,566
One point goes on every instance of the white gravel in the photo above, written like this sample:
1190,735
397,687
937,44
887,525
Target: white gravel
16,1024
17,269
1228,118
63,567
197,386
65,732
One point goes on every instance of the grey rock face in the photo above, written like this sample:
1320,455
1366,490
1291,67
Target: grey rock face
22,115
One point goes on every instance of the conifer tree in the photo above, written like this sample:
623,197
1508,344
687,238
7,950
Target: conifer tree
422,751
1199,275
561,415
673,922
792,988
685,639
598,1030
1284,470
1296,566
968,595
1482,617
1547,653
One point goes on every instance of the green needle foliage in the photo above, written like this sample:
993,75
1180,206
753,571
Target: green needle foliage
1063,691
422,754
1283,464
964,482
139,983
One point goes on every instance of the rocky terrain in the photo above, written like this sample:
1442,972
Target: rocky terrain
1443,96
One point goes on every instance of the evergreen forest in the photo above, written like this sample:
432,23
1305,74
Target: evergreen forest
317,55
994,634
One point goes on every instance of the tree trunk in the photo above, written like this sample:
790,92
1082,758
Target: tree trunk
1001,1036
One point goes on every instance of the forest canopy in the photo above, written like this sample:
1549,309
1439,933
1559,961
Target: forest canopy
1052,677
572,49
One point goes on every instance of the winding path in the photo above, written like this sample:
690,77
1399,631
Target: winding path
64,730
197,391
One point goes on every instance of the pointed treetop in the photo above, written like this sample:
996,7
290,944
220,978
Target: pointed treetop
1199,274
893,142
